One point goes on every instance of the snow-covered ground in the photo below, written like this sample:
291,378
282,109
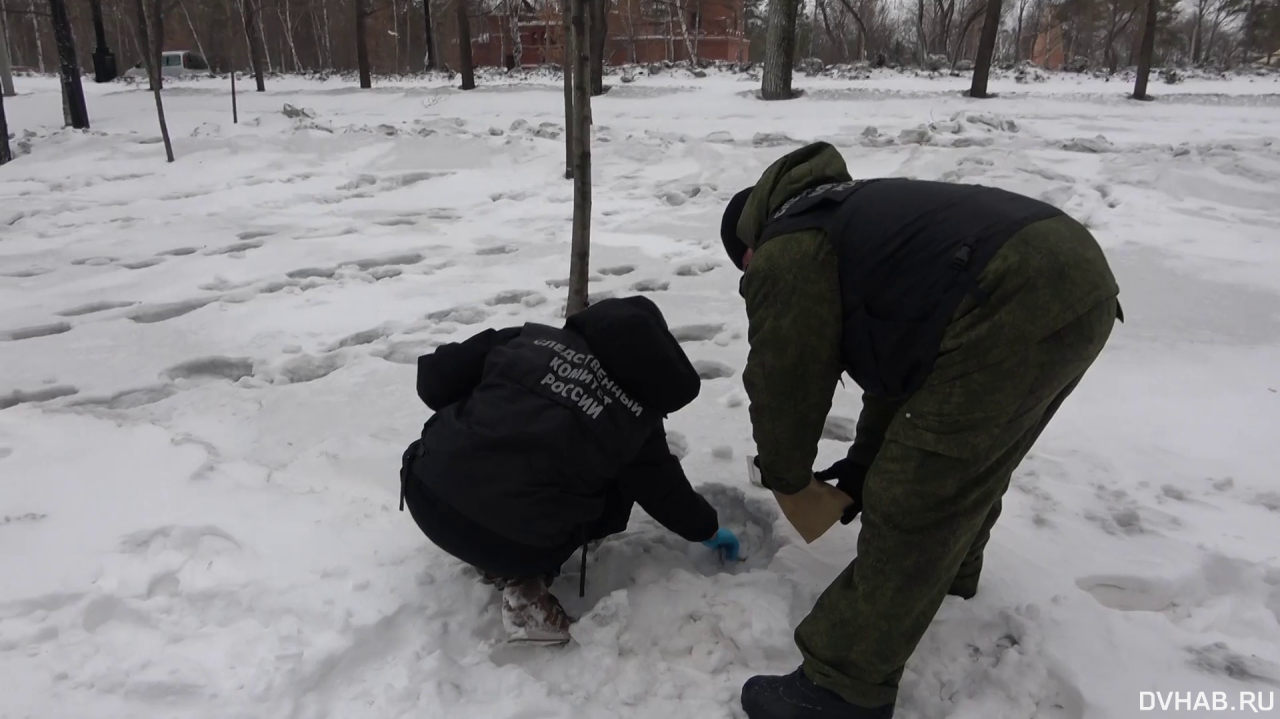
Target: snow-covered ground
206,381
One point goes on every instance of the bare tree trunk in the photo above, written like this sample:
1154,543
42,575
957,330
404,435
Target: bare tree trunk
780,49
68,66
598,32
580,251
567,59
631,32
395,33
986,50
1147,51
1249,18
362,45
328,34
517,45
285,11
432,62
5,153
688,41
922,41
6,71
146,37
35,32
464,45
249,9
194,34
262,38
1017,41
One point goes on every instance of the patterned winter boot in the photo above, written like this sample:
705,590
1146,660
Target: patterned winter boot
531,614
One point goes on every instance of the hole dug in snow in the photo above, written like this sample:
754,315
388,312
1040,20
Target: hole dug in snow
647,552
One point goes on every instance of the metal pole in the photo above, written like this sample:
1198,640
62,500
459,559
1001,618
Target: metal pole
235,116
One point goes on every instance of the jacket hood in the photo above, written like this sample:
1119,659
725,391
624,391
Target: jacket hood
630,338
793,173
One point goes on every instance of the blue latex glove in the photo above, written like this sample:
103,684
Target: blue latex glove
726,543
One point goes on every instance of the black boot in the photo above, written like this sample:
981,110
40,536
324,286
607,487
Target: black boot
795,697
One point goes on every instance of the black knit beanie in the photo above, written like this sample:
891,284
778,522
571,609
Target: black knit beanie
734,245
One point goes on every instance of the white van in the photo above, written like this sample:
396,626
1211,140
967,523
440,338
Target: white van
176,63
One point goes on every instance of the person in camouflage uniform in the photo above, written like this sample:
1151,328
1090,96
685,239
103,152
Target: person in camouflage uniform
967,315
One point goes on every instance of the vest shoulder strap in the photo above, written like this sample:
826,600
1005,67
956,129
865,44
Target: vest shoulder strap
812,209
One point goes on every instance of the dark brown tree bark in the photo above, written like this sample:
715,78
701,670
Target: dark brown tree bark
780,50
580,250
362,45
598,27
1147,51
567,61
146,37
432,63
5,153
249,9
986,49
464,45
69,67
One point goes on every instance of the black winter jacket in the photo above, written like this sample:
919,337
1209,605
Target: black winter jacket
534,425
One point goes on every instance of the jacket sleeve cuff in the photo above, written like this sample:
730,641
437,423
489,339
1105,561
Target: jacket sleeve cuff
780,485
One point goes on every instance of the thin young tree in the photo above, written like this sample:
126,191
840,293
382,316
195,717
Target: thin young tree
580,250
362,44
146,37
567,56
780,50
431,62
69,67
5,153
1146,53
986,50
464,45
248,12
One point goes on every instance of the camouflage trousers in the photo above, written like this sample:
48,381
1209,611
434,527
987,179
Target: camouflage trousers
934,490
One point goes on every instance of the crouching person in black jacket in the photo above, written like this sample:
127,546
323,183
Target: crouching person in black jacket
542,440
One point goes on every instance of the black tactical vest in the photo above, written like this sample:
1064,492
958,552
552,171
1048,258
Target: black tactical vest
909,251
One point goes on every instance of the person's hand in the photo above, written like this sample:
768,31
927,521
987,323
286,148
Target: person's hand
814,509
850,477
726,544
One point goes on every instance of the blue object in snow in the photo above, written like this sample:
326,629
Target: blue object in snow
726,543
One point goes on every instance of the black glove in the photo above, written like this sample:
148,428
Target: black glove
849,476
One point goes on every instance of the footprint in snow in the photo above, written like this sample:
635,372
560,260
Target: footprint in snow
511,297
617,270
27,333
142,264
94,307
178,252
129,399
496,250
696,333
650,286
148,314
94,261
711,369
693,269
236,247
17,397
308,368
231,369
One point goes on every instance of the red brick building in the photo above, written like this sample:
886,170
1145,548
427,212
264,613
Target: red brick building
640,31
